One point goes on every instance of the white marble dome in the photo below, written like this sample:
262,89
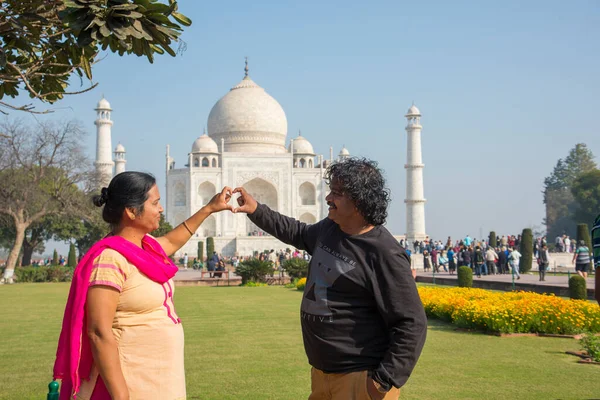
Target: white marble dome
301,146
103,104
413,110
249,120
204,144
344,152
120,148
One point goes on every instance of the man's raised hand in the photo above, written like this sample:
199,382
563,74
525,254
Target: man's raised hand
246,203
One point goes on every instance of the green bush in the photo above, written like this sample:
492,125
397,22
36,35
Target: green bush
59,274
465,277
254,270
577,288
583,233
296,268
43,274
292,284
301,284
492,239
201,251
526,250
55,258
72,258
591,344
210,247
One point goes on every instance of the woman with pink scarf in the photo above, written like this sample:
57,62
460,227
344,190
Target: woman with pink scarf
121,337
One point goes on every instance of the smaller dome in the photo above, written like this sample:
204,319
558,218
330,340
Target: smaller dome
103,104
120,148
301,146
204,144
413,110
344,152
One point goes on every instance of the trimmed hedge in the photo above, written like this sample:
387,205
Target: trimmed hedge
210,247
201,251
577,288
492,239
55,257
72,258
43,274
465,277
526,250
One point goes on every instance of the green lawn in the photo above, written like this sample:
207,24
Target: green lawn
245,343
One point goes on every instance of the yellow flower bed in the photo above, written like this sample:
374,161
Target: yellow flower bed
301,283
510,312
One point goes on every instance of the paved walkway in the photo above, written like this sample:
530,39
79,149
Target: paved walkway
193,275
560,280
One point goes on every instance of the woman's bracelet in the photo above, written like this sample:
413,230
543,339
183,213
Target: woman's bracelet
188,228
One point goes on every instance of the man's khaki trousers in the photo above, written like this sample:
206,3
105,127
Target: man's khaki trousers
349,386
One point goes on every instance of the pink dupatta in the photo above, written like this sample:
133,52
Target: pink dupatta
74,356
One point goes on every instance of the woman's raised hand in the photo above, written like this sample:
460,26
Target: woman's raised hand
220,201
246,202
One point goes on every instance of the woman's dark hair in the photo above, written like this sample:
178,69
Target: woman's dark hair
364,184
127,190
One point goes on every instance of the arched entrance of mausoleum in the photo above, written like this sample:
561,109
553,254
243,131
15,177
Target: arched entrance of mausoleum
265,193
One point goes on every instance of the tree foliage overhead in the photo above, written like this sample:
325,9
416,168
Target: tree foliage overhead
45,42
558,197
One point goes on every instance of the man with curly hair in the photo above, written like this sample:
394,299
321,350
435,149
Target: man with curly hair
363,323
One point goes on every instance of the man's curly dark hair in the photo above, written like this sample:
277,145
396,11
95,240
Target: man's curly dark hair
363,182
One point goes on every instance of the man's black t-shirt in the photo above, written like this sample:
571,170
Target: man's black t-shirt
360,309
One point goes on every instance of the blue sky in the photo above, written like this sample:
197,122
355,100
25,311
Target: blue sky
505,90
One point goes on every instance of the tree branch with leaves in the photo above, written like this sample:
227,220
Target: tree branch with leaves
45,42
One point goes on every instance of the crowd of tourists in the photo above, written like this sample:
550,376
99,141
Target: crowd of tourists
276,258
482,258
504,258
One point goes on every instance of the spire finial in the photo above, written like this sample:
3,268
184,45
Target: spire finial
299,132
246,68
204,131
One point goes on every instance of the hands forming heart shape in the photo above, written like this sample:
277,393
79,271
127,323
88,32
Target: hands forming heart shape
220,201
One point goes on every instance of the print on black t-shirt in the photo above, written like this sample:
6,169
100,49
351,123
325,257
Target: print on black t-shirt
325,269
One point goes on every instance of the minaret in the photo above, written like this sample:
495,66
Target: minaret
104,164
120,159
415,202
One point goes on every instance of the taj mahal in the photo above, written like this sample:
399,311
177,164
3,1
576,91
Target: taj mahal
246,145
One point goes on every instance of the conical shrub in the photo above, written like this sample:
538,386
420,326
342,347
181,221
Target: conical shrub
526,250
492,239
72,258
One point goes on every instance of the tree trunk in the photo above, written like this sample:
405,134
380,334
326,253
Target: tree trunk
14,252
27,253
30,244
